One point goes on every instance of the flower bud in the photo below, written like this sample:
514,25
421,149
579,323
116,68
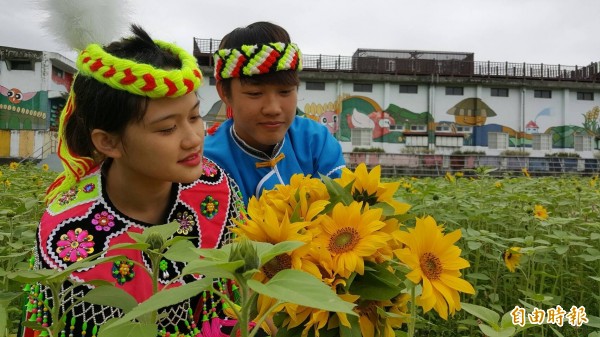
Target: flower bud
245,250
155,241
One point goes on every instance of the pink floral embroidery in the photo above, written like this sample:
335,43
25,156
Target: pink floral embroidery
75,245
103,221
68,196
209,168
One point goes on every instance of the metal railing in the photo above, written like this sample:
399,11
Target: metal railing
433,165
396,66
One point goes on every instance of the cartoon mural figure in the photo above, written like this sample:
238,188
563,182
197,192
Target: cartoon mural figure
383,121
532,127
15,96
327,114
359,120
330,120
19,110
471,111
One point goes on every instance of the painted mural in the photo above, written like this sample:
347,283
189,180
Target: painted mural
471,118
21,110
467,118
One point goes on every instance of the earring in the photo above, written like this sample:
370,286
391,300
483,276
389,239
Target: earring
229,112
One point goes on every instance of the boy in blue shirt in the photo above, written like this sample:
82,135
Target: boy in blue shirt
264,143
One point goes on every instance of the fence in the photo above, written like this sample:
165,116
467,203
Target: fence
419,165
204,48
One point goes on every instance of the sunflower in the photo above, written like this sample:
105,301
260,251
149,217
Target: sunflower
367,187
263,225
348,236
436,262
373,323
13,165
512,258
303,198
540,212
450,177
45,167
317,319
525,172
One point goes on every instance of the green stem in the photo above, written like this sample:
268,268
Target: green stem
155,265
413,311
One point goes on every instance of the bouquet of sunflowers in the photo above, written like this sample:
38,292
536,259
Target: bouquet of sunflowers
355,243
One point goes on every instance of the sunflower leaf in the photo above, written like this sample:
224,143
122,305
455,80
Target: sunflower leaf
129,329
298,287
111,296
491,332
377,284
278,249
163,298
337,192
490,317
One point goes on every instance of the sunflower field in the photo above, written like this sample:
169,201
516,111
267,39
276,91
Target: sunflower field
526,250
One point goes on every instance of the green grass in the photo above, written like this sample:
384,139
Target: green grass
560,263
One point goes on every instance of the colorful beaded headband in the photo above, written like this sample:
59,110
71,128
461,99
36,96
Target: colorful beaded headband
122,74
250,60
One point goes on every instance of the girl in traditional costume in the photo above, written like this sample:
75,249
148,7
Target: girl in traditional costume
131,143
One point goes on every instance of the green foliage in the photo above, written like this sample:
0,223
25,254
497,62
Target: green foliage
561,254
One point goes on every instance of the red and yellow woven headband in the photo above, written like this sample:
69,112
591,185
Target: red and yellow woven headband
250,60
121,74
139,78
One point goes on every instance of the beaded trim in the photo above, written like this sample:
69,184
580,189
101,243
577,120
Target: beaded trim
139,78
250,60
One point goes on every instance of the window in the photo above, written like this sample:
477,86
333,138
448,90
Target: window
20,65
499,92
396,127
418,128
315,85
458,91
442,128
463,129
361,137
408,89
542,93
585,96
212,81
363,87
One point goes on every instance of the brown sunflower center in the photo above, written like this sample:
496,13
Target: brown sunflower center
343,240
363,195
431,266
276,264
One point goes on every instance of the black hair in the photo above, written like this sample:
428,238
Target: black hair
99,106
258,33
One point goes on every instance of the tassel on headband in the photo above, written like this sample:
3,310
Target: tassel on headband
250,60
121,74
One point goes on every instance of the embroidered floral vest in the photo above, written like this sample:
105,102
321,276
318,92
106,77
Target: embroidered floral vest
83,221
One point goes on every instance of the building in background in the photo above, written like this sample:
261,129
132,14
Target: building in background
407,101
34,86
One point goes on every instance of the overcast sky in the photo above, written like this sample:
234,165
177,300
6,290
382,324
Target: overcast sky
533,31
